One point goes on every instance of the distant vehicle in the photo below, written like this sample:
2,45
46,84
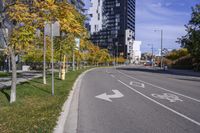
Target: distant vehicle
148,63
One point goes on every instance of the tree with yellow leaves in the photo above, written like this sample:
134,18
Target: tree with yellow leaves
103,56
71,23
120,60
21,36
25,19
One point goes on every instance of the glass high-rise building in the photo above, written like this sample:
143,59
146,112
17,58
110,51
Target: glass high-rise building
116,17
79,5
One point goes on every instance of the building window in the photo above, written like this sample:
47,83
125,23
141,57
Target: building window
96,28
98,16
117,4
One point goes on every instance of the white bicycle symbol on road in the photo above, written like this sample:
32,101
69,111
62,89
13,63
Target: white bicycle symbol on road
168,96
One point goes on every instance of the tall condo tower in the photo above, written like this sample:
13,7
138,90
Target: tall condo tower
79,5
110,20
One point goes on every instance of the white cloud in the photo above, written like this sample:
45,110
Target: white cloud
164,11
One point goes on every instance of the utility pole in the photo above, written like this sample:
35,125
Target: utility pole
161,47
73,60
161,62
152,54
117,53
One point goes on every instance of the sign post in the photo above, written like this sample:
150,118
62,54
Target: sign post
77,41
52,30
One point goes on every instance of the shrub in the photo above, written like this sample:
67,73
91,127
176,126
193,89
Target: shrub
183,63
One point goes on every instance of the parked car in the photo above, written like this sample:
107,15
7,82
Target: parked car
148,63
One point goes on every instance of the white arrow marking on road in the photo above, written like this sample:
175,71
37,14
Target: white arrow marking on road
104,96
138,84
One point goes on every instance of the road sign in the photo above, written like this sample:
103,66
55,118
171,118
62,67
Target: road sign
77,40
55,29
38,33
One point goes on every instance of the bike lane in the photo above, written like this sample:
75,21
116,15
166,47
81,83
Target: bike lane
186,108
129,113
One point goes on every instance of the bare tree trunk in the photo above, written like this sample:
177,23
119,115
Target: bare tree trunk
14,77
77,65
63,72
66,64
8,63
60,64
44,61
60,69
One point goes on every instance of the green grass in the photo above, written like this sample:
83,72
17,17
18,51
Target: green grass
4,74
35,109
8,74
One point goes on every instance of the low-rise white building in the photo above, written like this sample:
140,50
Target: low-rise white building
133,47
136,54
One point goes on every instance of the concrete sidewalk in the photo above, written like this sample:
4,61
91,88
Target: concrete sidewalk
180,72
184,72
25,76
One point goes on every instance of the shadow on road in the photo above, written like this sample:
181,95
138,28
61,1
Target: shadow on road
195,80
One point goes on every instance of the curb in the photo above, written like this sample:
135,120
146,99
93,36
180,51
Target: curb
69,115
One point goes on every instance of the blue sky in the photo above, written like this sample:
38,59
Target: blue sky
169,15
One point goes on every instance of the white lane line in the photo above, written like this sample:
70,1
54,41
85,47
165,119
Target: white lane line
164,106
106,70
197,100
112,75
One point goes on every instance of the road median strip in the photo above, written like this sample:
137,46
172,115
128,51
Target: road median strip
35,109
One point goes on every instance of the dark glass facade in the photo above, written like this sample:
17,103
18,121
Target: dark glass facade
118,15
79,5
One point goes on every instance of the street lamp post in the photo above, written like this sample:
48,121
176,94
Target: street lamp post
52,58
152,53
73,59
161,63
77,47
161,48
117,53
114,54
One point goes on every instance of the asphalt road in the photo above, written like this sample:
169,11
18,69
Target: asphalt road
138,100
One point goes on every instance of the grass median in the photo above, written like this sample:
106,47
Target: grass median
35,109
4,74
